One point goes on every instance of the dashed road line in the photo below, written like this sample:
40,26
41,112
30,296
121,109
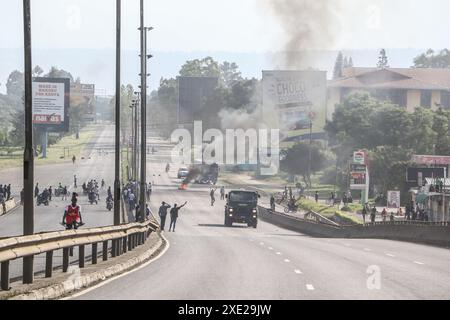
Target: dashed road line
287,260
419,263
278,253
390,255
270,248
310,287
261,243
297,271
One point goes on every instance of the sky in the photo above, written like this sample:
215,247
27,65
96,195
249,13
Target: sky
234,26
220,25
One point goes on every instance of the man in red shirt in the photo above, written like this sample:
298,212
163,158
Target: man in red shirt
72,215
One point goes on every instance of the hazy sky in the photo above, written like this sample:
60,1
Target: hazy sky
221,25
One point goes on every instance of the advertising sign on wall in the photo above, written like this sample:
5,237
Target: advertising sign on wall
51,99
295,100
393,198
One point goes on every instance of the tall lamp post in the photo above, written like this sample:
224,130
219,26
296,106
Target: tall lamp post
28,158
144,57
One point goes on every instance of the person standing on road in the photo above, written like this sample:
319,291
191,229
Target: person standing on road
222,193
364,213
75,181
373,214
50,193
36,190
174,216
8,192
64,193
74,159
272,203
131,199
162,212
213,198
384,214
316,196
2,202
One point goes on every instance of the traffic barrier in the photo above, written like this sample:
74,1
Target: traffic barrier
9,205
28,246
411,231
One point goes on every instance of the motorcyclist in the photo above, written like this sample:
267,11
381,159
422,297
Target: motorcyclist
292,204
72,214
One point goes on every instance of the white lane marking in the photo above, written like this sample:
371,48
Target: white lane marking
367,249
103,283
270,248
390,255
298,271
310,287
287,260
419,263
278,253
261,243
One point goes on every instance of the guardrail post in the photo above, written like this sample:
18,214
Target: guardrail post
5,276
120,246
66,252
94,253
105,250
125,244
49,264
71,251
113,248
130,244
81,256
28,270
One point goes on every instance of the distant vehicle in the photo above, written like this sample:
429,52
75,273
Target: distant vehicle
208,174
183,172
242,207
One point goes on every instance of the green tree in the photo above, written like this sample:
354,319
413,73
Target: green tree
15,85
206,67
431,59
338,66
295,160
59,73
383,60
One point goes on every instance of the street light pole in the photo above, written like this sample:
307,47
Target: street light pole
142,200
28,158
117,155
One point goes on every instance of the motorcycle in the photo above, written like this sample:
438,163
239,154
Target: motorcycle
72,226
291,209
93,198
109,204
41,199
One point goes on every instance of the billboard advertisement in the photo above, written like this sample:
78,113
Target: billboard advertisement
83,96
51,99
293,101
193,94
393,199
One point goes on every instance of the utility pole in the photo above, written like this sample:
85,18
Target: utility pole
142,200
28,158
117,155
310,151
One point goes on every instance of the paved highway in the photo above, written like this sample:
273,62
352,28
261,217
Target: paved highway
208,261
94,166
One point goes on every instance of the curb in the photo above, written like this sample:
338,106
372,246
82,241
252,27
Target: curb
11,205
76,283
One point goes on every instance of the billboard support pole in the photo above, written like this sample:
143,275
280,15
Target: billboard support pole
28,158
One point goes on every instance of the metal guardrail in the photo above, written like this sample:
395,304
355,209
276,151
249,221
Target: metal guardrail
311,215
409,222
125,238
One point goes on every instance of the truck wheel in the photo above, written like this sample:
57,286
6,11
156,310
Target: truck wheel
255,224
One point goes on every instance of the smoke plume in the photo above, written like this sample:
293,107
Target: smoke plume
308,25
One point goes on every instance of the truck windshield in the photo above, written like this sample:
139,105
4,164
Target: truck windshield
243,197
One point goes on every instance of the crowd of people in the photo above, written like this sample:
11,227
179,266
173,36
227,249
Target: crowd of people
130,195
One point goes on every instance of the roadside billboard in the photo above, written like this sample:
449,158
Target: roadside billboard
293,101
393,199
193,94
83,96
51,100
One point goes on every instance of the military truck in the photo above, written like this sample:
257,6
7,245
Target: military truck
241,207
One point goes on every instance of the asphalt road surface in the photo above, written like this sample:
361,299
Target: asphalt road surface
208,261
96,165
